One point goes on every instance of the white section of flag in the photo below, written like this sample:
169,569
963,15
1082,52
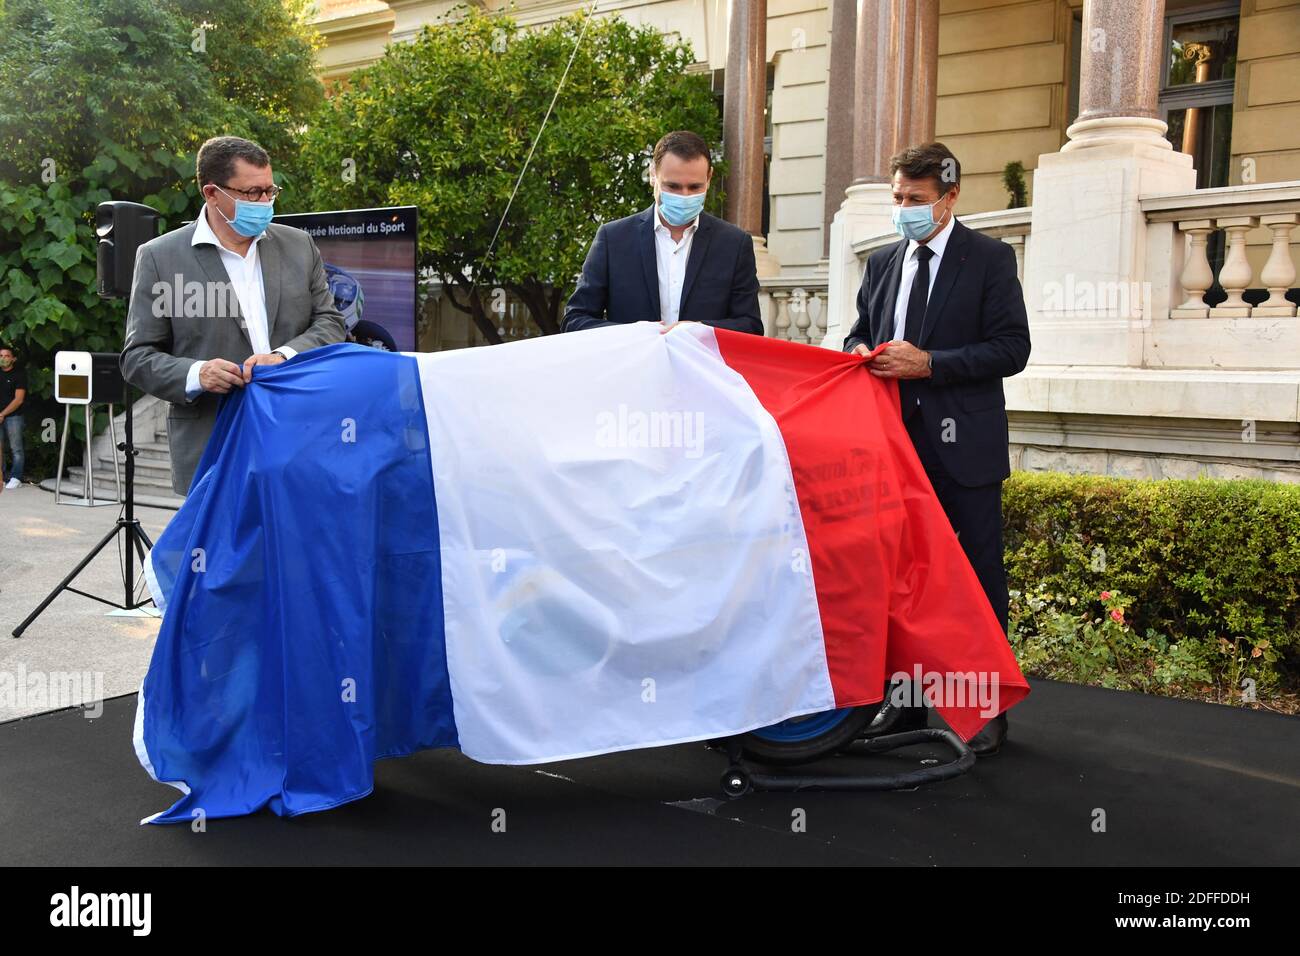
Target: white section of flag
623,557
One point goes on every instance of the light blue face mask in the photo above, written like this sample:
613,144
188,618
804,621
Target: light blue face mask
679,210
915,222
251,218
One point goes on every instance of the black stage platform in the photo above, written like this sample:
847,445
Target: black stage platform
1180,783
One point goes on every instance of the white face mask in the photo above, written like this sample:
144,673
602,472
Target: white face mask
916,222
679,210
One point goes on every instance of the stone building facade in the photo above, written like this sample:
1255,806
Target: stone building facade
1157,228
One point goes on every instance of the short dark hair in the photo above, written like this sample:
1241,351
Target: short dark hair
216,160
683,144
928,160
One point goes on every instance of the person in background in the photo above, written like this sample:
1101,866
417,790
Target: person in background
672,262
948,302
13,393
283,302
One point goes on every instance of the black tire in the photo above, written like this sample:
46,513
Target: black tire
785,753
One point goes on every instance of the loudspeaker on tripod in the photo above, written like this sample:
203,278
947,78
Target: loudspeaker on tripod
86,378
122,227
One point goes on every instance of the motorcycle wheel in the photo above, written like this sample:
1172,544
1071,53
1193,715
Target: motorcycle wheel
801,739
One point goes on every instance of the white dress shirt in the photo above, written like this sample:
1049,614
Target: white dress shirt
937,245
670,261
246,278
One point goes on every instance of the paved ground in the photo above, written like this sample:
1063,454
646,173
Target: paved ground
40,542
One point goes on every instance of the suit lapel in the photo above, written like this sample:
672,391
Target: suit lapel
699,249
954,255
646,238
268,252
210,262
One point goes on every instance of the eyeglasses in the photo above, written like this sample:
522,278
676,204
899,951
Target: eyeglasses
256,194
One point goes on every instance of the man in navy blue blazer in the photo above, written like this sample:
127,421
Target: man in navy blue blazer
948,301
672,262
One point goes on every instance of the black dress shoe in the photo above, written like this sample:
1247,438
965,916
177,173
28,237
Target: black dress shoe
990,738
891,719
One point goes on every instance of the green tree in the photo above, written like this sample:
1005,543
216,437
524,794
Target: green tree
79,75
446,122
260,56
110,99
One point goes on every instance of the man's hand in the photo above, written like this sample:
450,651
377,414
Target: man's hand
664,329
899,360
220,376
272,358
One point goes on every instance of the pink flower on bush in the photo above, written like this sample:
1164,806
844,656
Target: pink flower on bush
1117,615
1105,595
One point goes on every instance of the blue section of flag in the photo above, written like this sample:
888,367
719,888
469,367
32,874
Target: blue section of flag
303,634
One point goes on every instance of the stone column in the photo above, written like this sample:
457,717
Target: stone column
1088,234
896,72
896,68
839,111
1119,76
921,97
744,123
1201,54
875,90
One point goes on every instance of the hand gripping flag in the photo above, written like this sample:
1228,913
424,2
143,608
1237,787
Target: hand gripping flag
551,549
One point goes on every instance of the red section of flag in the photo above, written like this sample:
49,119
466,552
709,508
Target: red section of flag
895,591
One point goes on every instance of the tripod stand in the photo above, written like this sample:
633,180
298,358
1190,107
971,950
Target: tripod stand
127,524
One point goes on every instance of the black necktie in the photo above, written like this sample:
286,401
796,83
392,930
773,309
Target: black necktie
919,296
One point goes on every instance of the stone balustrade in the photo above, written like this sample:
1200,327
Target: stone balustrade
1234,211
794,308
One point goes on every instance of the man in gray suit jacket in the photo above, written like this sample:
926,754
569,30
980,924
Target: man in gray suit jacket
228,292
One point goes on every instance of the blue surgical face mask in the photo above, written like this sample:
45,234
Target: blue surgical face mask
679,210
251,218
915,222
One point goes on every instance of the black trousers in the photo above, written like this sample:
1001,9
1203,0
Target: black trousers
975,514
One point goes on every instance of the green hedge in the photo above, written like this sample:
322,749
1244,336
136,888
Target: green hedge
1202,582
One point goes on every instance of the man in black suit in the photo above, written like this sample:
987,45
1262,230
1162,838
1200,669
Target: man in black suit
948,301
672,262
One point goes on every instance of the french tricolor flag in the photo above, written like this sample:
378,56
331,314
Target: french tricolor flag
555,548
